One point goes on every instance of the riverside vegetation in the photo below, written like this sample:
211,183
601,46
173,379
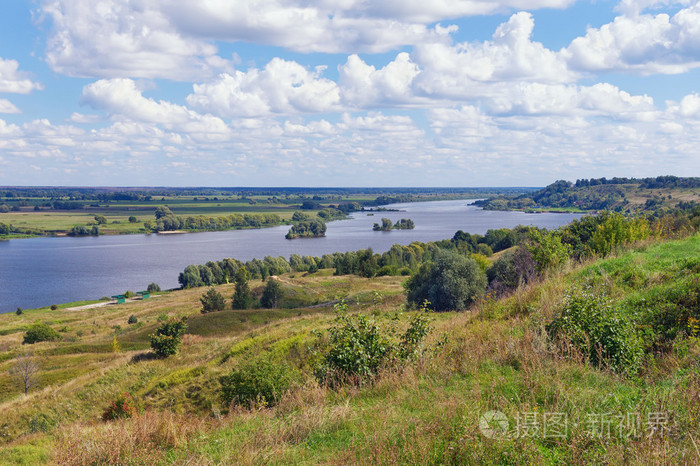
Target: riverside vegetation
350,364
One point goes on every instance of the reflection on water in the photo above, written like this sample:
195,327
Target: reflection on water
41,271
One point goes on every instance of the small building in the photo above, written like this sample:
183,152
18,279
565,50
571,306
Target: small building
144,294
121,299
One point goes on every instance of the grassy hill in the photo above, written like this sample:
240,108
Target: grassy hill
659,195
560,407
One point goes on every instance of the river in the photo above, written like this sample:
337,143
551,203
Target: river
38,272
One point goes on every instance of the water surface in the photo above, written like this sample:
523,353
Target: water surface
42,271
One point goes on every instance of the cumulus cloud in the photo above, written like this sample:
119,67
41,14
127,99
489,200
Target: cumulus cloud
641,43
282,87
14,81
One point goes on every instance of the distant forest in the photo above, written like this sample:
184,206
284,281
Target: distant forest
618,194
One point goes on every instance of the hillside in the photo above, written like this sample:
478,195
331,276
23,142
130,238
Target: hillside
497,356
652,195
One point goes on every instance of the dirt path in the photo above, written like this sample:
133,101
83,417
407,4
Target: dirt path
105,303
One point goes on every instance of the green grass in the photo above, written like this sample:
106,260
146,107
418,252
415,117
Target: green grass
495,357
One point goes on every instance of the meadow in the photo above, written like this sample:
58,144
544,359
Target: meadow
559,406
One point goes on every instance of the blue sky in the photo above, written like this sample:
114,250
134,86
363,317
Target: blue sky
346,92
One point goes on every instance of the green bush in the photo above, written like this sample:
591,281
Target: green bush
41,423
123,406
212,301
357,347
54,307
132,319
600,331
167,339
547,249
451,282
256,381
40,331
19,311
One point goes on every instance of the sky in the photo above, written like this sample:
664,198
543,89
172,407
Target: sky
346,92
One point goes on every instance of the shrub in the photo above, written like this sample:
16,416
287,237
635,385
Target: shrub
167,339
40,331
133,219
452,282
357,347
132,319
54,307
123,406
19,311
212,301
129,294
256,381
41,423
547,249
153,288
600,330
510,270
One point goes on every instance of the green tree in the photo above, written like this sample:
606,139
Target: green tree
168,337
547,249
451,282
212,301
162,212
271,295
242,299
133,219
153,288
100,219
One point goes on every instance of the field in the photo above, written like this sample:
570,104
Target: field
40,215
495,357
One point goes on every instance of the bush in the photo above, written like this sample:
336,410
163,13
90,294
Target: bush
54,307
547,249
153,288
600,331
257,381
167,339
19,311
40,331
133,219
511,270
452,282
122,407
358,347
129,294
132,319
212,301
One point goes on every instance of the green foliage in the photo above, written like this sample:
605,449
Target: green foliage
272,294
601,331
386,225
258,381
404,224
451,282
307,229
242,298
133,219
100,219
41,422
19,311
39,331
212,301
358,347
153,288
510,270
122,407
167,338
133,319
54,307
547,249
616,230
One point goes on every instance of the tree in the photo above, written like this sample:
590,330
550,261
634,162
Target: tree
271,295
451,282
162,212
26,370
153,288
167,338
133,219
212,301
100,219
40,331
242,298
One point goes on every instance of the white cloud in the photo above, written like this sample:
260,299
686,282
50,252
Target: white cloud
8,107
282,87
641,43
14,81
362,85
